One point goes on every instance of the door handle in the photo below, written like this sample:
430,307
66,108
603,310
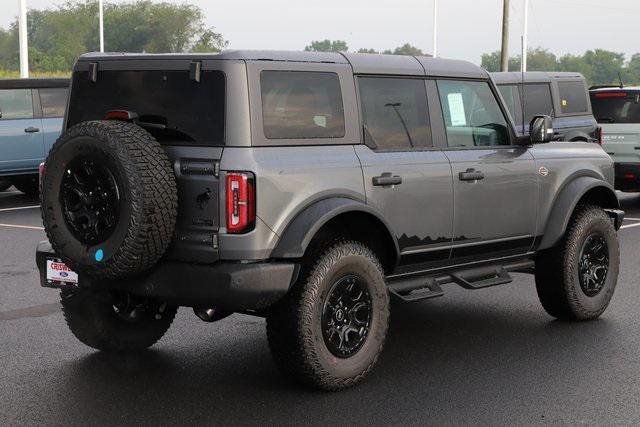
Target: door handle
32,129
387,179
471,175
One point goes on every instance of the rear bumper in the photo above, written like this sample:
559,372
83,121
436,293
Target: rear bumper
627,176
224,285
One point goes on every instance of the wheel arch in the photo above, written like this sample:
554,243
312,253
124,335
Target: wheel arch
581,190
339,216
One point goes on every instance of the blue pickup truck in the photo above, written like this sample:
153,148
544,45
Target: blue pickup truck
31,115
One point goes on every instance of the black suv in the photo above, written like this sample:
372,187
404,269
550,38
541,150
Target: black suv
562,95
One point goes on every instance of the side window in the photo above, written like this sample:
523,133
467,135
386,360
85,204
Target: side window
537,101
573,97
511,96
53,101
472,115
301,104
395,114
16,104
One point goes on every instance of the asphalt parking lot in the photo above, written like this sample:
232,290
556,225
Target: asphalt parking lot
490,357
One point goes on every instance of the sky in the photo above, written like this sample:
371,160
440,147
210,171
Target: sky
466,28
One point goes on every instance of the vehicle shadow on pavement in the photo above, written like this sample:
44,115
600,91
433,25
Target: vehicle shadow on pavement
12,199
453,358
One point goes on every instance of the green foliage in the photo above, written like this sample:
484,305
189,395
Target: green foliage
327,46
58,36
599,66
405,49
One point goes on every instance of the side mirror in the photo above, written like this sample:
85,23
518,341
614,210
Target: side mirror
541,129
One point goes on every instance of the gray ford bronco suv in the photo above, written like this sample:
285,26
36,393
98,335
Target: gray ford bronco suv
308,188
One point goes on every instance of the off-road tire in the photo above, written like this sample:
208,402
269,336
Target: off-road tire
148,193
92,320
294,326
29,185
4,184
557,269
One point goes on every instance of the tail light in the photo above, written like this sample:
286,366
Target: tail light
241,202
599,135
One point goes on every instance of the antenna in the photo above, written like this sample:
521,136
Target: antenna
620,78
522,103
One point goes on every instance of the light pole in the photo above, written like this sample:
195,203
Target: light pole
24,44
101,19
525,49
435,28
504,56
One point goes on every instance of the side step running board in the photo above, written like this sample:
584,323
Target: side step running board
429,286
484,280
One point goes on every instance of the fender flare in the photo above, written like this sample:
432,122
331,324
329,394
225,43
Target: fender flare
296,238
564,205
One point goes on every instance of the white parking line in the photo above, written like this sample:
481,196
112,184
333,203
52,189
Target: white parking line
633,219
19,208
29,227
637,224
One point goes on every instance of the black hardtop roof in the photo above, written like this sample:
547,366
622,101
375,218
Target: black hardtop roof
32,83
534,76
361,63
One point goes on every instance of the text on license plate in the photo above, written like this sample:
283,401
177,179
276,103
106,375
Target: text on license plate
58,272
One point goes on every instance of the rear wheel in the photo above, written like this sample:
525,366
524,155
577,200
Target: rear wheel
330,329
576,279
116,321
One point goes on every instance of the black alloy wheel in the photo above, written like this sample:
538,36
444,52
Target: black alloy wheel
594,265
90,200
346,316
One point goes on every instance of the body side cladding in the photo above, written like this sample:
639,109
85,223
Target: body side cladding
566,202
306,224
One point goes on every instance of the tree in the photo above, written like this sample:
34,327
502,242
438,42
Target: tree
365,50
405,49
57,36
598,66
327,46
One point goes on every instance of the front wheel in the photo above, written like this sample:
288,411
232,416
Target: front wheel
330,329
576,279
116,321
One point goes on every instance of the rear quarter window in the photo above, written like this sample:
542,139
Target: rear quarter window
573,97
53,102
301,105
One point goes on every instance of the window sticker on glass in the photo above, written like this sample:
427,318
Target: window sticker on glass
320,121
456,108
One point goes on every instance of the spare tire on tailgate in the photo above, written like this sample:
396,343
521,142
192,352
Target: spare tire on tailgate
109,199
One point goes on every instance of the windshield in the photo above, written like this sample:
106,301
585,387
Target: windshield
616,107
171,106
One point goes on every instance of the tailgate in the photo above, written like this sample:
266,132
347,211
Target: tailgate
197,176
622,142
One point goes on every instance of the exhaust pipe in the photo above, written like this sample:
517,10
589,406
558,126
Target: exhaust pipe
210,314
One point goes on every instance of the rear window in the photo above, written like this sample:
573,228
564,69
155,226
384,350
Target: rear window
616,107
573,97
53,101
175,108
301,104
